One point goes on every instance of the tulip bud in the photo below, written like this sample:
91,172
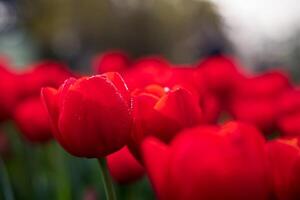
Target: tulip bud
91,116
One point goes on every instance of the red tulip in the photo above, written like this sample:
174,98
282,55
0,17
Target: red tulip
284,161
123,167
209,163
9,90
221,73
211,108
91,115
188,78
32,119
289,125
288,106
163,116
254,99
43,74
111,61
259,113
268,85
146,71
289,102
195,82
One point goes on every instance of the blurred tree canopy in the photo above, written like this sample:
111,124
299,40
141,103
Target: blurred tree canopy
181,30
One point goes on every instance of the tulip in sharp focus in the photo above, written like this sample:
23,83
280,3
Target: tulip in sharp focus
209,163
91,116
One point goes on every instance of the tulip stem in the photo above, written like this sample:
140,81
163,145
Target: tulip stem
7,189
106,179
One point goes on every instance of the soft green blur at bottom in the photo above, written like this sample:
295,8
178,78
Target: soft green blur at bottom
46,171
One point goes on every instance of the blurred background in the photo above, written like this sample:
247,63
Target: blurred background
75,31
261,33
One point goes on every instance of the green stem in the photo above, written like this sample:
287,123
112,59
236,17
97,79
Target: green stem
106,179
7,189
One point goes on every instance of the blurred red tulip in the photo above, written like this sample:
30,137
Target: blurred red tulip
284,161
209,163
195,82
91,115
111,61
259,113
187,78
163,116
43,74
123,167
288,106
289,125
211,108
289,102
268,85
221,72
254,99
9,90
16,87
146,71
32,119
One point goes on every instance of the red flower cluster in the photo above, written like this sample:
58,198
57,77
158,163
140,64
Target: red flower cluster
148,115
209,162
20,97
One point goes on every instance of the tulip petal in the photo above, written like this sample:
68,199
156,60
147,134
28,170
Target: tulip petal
119,83
49,97
97,102
156,158
180,106
143,114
